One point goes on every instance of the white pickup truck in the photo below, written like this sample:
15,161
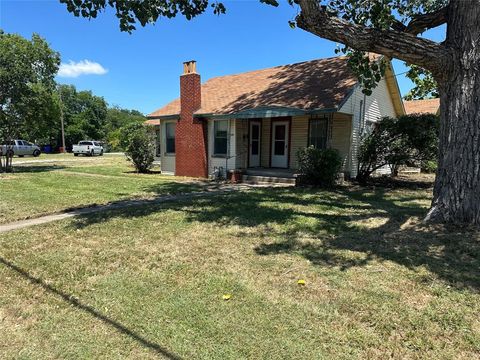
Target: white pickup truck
20,148
88,148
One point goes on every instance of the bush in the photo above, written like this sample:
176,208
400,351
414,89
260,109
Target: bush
429,166
139,148
319,167
410,140
125,132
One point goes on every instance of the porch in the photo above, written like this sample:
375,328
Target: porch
269,176
269,146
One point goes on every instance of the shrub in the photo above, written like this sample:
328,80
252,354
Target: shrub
139,148
319,167
410,140
125,132
429,166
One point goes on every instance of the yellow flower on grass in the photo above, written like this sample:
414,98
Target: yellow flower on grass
301,282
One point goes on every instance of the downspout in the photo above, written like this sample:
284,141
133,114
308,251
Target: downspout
363,121
228,148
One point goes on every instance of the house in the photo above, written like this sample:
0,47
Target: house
260,119
427,106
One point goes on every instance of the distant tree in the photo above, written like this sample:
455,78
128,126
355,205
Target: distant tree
116,120
27,88
425,85
42,116
85,115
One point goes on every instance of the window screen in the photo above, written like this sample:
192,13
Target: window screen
221,137
170,138
318,133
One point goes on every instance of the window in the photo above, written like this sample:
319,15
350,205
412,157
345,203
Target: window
170,137
279,139
85,143
220,142
318,133
255,138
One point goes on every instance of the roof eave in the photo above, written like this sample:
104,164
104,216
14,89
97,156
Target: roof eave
265,112
394,88
164,117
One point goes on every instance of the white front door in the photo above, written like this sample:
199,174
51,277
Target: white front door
280,144
254,151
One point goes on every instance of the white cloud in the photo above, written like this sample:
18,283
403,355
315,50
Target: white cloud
83,67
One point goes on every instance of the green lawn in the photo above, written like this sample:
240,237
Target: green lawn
67,182
149,281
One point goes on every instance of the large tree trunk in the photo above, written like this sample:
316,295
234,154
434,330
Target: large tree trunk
456,66
456,195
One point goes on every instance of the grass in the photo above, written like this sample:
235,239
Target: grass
43,158
42,187
149,281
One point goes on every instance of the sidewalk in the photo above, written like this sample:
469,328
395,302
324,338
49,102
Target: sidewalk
118,205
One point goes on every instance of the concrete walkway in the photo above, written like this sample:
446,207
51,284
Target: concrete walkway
221,189
43,161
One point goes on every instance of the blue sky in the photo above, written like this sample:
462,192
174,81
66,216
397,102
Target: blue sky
140,71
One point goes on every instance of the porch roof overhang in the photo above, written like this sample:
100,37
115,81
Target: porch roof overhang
266,112
261,112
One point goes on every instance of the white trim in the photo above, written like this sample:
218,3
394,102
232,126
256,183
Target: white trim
164,149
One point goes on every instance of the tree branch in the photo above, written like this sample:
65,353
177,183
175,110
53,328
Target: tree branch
420,23
394,44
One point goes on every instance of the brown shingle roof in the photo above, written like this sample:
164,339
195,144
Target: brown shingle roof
310,85
428,106
151,122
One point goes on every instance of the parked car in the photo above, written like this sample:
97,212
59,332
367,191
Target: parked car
20,148
88,148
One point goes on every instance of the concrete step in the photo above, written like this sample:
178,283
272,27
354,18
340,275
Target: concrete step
253,179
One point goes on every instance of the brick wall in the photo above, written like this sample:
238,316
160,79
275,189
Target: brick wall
190,133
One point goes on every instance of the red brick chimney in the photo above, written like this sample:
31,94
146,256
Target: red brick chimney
190,134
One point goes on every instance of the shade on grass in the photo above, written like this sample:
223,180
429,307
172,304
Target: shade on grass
41,188
150,281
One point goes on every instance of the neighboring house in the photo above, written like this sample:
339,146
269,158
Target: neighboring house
260,119
428,106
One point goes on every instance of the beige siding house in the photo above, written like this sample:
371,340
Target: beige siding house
261,119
